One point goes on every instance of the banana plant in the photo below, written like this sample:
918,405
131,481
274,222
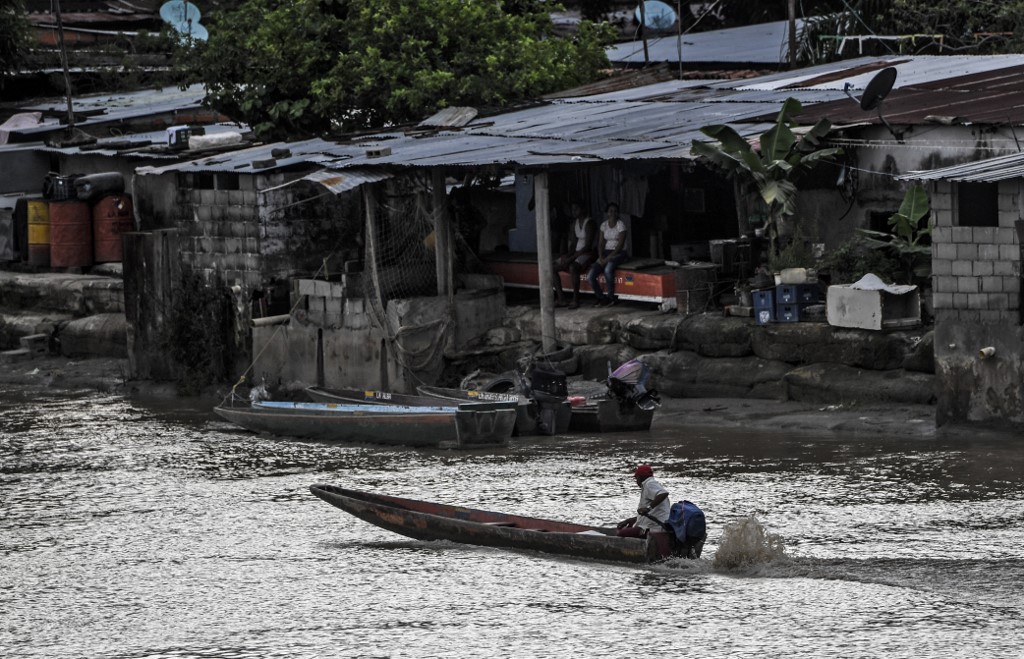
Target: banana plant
907,241
774,166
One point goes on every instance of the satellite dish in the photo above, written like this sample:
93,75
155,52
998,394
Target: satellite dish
184,18
878,89
875,93
195,31
177,12
657,15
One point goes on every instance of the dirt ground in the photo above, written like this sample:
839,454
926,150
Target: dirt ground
896,421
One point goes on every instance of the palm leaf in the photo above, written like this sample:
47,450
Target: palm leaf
732,142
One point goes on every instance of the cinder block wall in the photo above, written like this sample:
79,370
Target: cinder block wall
975,270
976,275
221,230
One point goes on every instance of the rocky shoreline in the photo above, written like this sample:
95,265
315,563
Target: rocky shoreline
894,421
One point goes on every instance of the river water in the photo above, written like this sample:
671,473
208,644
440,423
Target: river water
141,531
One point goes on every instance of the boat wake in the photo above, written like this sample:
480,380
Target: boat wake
746,544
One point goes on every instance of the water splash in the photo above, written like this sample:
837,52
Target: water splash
746,543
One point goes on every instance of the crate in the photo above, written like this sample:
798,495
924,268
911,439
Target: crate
694,285
763,299
797,294
764,306
791,313
764,315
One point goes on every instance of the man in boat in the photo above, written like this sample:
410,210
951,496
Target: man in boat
653,509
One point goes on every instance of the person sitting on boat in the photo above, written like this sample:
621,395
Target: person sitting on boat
578,255
611,253
653,508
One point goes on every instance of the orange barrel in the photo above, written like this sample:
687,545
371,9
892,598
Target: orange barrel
38,232
70,234
111,216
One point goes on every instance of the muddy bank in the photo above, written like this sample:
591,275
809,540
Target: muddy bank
897,421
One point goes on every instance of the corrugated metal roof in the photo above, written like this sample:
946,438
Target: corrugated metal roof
450,118
555,134
766,44
989,170
658,121
106,108
912,71
342,181
134,146
960,89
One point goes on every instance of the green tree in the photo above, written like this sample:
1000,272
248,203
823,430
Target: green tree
14,38
308,67
775,169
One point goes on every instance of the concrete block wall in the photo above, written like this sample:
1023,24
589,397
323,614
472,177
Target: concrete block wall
975,270
976,282
220,231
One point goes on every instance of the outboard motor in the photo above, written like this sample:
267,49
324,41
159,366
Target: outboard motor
550,392
628,383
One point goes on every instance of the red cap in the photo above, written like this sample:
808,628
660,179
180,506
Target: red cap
643,471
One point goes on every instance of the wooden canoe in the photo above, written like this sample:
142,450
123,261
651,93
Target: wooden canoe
423,520
463,426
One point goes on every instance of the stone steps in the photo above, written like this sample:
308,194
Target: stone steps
15,356
37,344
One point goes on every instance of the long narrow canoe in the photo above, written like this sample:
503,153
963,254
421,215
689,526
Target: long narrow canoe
423,520
464,426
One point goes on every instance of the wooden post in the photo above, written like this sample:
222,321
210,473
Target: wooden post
541,209
792,33
643,32
442,234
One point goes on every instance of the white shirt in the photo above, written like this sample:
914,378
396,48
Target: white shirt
648,490
612,234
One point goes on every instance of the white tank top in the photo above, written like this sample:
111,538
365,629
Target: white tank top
580,228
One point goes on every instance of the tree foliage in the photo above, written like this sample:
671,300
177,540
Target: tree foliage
307,67
14,37
909,240
775,167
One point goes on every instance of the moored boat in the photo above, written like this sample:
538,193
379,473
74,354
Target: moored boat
526,410
474,425
428,521
374,397
609,415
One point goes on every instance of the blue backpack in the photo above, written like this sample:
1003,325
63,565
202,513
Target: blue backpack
686,521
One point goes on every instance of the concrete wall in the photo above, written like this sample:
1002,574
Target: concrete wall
976,278
347,349
24,172
832,221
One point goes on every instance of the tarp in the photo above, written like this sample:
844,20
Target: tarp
17,122
870,282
